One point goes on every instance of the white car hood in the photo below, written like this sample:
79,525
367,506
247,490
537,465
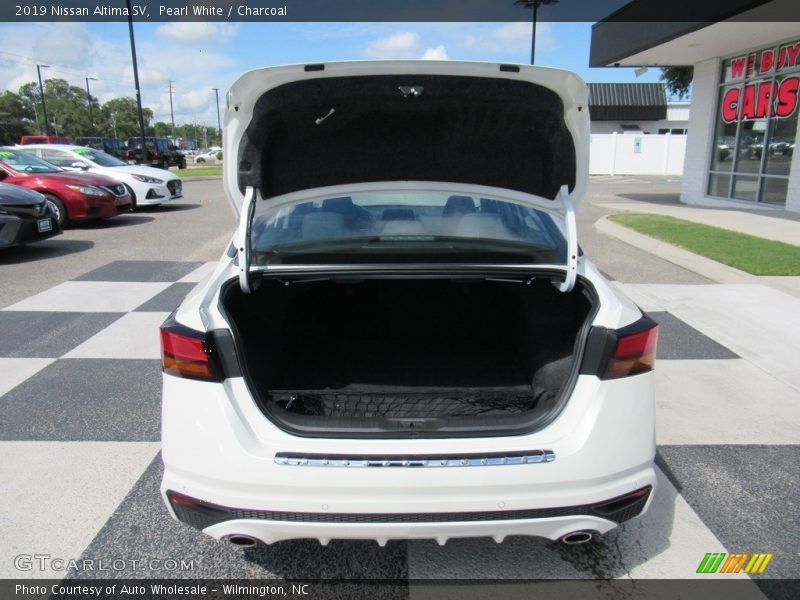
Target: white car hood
506,127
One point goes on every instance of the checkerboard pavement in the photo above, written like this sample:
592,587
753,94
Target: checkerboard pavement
79,436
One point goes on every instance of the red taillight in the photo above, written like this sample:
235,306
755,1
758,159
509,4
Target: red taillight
187,356
634,353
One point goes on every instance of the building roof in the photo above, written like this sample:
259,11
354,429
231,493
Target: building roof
627,101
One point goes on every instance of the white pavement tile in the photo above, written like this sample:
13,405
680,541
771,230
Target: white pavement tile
135,335
760,324
199,274
92,296
57,496
723,402
14,371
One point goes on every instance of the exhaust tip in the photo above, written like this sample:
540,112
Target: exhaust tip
578,537
243,541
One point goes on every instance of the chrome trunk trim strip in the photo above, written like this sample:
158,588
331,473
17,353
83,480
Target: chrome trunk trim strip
530,457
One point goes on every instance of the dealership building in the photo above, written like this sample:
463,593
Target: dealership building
743,124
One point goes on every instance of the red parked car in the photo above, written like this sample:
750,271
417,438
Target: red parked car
71,196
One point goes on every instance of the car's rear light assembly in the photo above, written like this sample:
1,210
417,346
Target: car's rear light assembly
188,353
615,353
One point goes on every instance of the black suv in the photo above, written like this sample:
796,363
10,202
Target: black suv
161,152
109,145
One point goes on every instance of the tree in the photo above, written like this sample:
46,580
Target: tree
16,118
678,80
67,106
162,129
119,117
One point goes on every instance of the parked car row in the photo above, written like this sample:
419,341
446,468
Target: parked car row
160,152
72,183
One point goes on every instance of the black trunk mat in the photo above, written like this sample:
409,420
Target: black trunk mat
397,403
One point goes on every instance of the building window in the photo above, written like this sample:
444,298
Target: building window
756,125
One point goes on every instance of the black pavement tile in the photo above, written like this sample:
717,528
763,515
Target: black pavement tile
39,334
679,341
747,496
141,270
168,300
142,526
86,400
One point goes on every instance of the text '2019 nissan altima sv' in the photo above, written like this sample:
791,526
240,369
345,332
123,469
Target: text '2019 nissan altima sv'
403,339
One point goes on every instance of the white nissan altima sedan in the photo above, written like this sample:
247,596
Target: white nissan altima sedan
403,339
147,185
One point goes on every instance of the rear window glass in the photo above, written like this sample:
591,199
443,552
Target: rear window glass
405,227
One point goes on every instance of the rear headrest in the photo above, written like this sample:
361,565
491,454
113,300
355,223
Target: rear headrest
342,204
458,205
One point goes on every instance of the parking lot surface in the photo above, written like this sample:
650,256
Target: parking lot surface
80,401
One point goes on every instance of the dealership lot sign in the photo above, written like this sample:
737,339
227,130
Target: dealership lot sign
772,96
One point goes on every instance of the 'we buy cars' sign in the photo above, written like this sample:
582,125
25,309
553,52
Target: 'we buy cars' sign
765,92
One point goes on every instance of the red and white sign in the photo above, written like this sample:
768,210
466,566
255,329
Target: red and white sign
767,98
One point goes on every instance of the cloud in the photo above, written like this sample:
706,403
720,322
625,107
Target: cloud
510,38
76,51
198,33
403,44
63,43
437,53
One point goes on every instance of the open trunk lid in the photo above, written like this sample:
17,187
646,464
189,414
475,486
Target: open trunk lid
521,131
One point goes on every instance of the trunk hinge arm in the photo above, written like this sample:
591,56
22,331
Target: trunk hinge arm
572,241
243,243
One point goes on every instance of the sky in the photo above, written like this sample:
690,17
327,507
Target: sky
200,56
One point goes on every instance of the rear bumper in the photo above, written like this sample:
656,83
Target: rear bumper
270,527
219,448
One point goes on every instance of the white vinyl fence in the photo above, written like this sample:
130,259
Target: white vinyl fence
632,154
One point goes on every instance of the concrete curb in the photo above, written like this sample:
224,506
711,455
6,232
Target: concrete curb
202,178
683,258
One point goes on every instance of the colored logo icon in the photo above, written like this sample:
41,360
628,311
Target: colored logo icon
721,562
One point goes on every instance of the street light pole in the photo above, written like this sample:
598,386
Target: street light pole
41,95
219,123
534,4
136,81
171,112
89,100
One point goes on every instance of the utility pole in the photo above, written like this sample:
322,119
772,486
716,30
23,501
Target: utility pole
535,4
171,112
41,95
89,100
205,135
136,81
219,123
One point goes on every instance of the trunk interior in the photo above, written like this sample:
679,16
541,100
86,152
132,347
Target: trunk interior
393,354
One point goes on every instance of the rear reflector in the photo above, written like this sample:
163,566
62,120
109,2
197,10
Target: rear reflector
635,351
187,353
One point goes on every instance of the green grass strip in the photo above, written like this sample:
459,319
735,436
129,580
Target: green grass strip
748,253
191,171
